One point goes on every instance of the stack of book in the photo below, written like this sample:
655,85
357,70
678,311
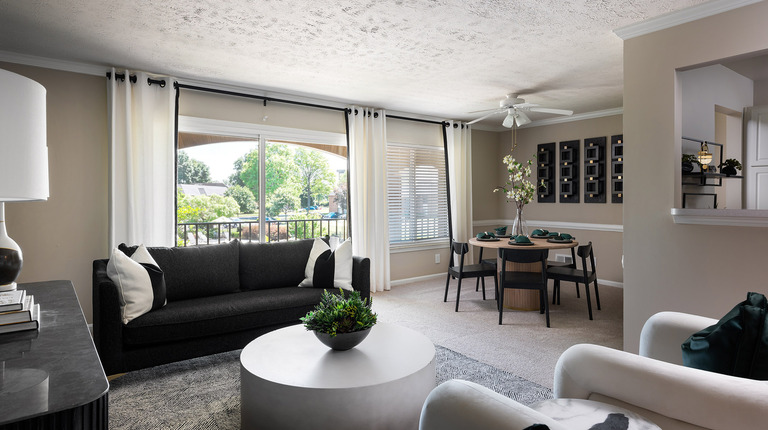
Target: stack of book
18,311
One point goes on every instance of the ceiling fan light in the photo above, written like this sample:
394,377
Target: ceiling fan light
509,121
522,119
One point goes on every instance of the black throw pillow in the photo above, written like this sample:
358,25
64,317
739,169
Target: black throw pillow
737,345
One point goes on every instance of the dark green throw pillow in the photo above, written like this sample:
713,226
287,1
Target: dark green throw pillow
737,345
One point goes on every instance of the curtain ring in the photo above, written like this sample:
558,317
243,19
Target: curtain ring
375,114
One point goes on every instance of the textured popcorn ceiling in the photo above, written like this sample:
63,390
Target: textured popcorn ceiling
442,58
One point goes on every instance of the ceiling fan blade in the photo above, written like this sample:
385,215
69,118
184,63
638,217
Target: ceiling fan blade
486,110
554,111
525,105
496,111
522,119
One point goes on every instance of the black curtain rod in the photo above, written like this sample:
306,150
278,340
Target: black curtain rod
272,99
132,79
253,96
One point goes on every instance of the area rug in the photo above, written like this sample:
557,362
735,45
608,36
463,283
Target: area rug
204,393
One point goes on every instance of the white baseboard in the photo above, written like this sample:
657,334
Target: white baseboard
418,279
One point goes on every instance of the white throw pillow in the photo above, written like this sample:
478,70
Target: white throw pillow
141,288
327,269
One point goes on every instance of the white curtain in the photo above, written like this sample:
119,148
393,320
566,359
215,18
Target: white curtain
141,143
368,191
459,146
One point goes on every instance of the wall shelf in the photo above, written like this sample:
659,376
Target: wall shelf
725,217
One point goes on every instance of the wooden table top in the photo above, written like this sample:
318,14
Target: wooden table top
537,244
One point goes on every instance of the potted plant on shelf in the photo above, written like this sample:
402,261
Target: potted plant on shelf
688,161
729,167
340,322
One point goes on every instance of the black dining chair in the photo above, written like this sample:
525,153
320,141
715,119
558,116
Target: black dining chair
489,262
462,271
572,274
524,280
571,265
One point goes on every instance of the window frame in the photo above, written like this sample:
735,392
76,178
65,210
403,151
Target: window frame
257,132
431,243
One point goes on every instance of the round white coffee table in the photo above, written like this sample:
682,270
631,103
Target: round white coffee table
290,380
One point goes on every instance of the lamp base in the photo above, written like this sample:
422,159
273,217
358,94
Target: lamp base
8,287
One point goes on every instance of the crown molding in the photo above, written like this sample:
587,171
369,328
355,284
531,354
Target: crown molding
50,63
101,70
679,17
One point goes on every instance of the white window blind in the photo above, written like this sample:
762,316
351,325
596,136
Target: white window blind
416,193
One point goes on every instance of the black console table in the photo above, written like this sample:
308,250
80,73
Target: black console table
52,379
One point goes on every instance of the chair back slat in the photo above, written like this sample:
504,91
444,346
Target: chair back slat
523,255
584,250
460,248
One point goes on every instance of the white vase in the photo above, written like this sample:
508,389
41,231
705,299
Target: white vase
519,226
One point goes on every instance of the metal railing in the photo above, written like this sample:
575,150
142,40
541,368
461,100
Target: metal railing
202,233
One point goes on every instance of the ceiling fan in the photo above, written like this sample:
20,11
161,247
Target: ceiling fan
516,108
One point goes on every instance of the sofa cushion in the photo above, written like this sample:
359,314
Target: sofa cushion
329,269
274,264
198,271
580,414
226,313
140,283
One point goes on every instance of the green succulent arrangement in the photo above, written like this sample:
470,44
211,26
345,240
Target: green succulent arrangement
690,158
336,314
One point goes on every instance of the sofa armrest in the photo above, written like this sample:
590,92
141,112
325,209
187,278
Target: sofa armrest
464,405
361,276
107,323
672,393
664,333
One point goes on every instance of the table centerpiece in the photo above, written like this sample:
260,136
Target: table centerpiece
341,321
518,189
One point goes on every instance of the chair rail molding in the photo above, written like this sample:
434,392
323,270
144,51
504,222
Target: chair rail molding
726,217
560,225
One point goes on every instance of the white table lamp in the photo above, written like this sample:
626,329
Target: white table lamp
23,159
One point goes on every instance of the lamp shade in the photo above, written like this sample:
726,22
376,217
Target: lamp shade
23,146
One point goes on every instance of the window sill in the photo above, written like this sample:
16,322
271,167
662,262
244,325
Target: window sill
725,217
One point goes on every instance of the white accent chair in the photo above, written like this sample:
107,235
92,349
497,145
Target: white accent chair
653,384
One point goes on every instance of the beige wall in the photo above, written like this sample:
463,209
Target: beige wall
242,109
489,172
62,236
691,268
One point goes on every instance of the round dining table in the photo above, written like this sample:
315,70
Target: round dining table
516,299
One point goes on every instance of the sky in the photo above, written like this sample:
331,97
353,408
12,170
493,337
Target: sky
220,157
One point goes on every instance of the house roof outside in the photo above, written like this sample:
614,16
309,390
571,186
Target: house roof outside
204,189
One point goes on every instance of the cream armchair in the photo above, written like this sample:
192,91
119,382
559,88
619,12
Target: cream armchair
653,384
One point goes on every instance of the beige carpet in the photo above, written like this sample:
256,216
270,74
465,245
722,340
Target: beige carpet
523,345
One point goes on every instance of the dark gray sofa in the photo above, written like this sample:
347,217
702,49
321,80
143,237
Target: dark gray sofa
220,297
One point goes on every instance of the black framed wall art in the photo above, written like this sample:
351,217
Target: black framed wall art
569,171
545,173
594,170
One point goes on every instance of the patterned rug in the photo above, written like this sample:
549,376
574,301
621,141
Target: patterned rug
204,393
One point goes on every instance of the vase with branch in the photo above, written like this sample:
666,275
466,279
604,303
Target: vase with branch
518,189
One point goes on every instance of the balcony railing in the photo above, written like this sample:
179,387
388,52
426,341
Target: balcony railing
202,233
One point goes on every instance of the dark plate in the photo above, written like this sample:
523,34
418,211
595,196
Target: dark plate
493,239
560,241
503,235
511,242
546,236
